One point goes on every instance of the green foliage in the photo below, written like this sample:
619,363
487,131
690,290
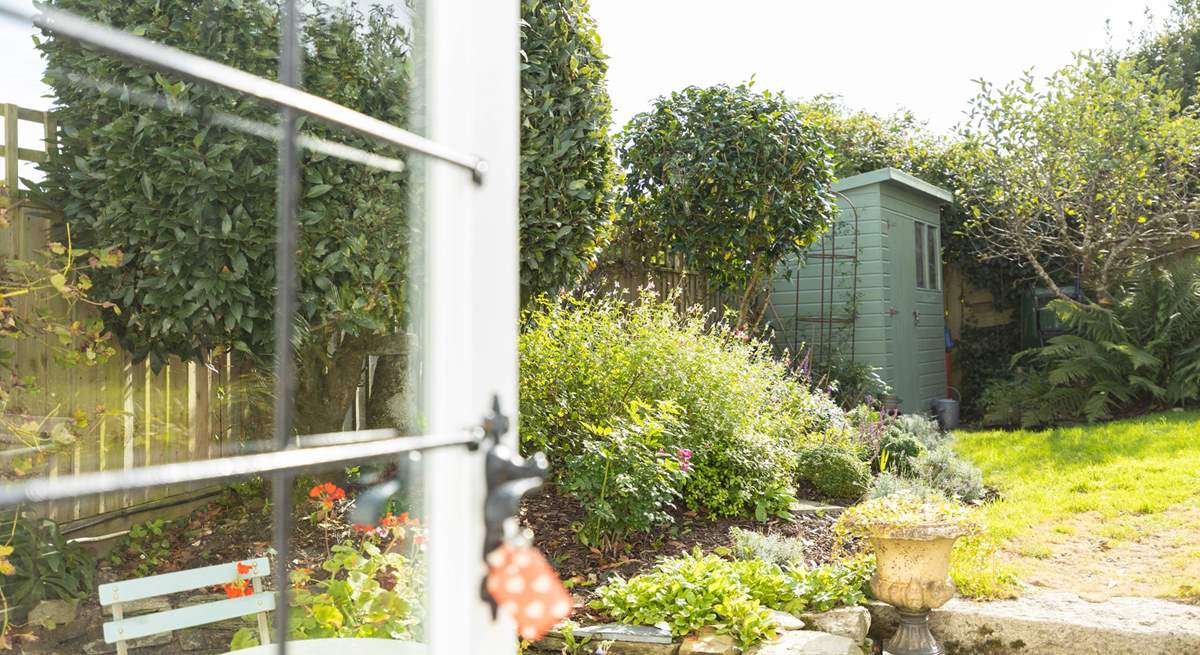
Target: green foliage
890,484
148,544
1174,51
942,469
567,165
584,361
367,591
696,590
982,354
850,383
1029,400
1143,351
784,552
370,592
627,475
897,450
191,203
902,511
922,428
44,566
1093,171
833,471
730,179
861,141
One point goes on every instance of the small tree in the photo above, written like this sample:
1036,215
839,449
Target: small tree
1093,173
567,165
731,179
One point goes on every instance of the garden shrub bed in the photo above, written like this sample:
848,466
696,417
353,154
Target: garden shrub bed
551,517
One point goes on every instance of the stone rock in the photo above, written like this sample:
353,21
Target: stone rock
807,642
647,634
142,606
850,622
788,621
626,639
100,647
815,508
200,639
1056,623
52,613
707,642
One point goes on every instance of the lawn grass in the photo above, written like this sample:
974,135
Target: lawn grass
1129,488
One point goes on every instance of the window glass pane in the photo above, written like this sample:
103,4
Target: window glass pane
147,331
934,255
919,252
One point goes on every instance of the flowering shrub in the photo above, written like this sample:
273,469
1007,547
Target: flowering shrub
368,587
743,414
629,474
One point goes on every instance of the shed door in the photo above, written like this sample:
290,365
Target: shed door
903,314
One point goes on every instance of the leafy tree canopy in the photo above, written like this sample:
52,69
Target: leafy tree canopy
731,179
1093,173
567,166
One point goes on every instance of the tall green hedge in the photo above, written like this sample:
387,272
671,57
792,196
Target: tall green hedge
567,166
191,204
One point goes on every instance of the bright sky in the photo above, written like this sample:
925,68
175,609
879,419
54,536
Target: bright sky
880,55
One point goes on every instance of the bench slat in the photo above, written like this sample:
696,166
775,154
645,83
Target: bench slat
171,583
187,617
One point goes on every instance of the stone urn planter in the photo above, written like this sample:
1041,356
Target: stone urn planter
912,539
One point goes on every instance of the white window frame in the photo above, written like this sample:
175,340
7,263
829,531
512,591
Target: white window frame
470,313
473,104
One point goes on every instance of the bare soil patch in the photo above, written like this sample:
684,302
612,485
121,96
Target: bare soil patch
1147,555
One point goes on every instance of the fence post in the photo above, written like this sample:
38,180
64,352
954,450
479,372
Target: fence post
10,148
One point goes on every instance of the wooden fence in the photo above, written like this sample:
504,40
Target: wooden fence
131,415
617,273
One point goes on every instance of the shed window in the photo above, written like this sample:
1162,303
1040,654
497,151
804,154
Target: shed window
927,255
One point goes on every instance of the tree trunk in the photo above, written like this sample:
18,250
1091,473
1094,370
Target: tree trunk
392,403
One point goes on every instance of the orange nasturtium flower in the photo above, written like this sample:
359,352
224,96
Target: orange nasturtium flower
327,493
239,587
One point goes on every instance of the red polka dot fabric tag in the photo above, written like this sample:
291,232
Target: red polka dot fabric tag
524,584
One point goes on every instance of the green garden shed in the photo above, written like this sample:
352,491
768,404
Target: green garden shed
871,289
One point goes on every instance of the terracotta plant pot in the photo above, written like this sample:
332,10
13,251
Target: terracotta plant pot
912,574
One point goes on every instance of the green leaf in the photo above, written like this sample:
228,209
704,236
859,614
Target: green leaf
318,190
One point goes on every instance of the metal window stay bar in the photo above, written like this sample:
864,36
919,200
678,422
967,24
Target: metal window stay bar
227,468
174,60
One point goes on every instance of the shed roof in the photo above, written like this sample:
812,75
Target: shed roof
893,175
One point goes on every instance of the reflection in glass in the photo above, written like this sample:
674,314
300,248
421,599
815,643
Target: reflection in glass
141,330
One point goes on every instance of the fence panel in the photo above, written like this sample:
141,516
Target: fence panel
136,416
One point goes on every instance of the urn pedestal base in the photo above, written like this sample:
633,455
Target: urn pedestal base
913,636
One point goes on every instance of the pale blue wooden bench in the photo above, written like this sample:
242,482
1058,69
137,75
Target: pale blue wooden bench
120,629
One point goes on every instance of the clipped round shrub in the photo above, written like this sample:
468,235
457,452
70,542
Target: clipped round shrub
833,471
941,468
